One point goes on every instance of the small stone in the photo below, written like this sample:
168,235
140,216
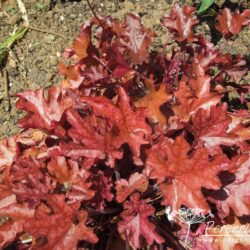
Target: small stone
11,62
53,60
129,5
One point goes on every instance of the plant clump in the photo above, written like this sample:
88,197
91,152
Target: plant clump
134,145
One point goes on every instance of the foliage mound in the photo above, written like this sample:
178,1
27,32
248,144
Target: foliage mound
136,147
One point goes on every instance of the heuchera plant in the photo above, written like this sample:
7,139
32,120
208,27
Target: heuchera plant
131,136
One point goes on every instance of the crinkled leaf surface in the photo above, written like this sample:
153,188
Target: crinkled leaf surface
136,224
124,188
53,226
186,172
181,21
231,23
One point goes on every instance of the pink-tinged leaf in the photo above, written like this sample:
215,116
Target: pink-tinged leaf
16,215
80,189
95,73
103,107
233,67
62,170
30,185
7,201
211,127
44,113
185,173
75,152
136,39
76,233
193,95
8,152
230,23
240,124
181,22
205,53
136,182
53,226
135,224
239,191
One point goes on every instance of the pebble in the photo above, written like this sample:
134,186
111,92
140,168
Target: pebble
129,5
53,60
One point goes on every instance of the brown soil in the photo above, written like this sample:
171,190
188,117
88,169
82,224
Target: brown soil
33,60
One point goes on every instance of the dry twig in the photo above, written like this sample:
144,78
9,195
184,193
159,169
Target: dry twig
45,31
6,90
23,11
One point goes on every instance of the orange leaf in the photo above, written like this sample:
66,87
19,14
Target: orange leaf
154,98
124,188
80,45
64,171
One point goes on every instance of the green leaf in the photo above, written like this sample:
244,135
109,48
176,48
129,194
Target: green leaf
6,45
205,4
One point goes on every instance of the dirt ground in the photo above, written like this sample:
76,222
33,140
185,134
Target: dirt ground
33,60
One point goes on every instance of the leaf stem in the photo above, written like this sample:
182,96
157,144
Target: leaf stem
93,12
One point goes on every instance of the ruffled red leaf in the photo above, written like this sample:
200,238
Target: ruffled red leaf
44,113
230,23
185,173
80,189
194,94
8,152
136,182
211,127
238,192
129,125
53,226
62,170
93,133
234,67
136,225
181,22
29,183
136,39
15,217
